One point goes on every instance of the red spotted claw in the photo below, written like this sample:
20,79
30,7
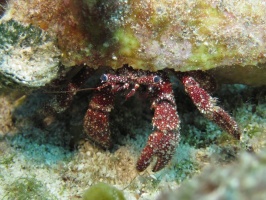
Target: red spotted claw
207,104
96,120
162,143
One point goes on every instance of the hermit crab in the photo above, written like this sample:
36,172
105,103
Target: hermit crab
158,88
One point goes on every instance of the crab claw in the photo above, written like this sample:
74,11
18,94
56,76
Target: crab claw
96,120
207,106
96,125
163,141
161,145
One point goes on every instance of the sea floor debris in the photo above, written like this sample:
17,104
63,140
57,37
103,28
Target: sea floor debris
51,151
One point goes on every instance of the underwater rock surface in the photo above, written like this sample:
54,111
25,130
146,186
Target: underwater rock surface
182,35
28,55
48,153
242,180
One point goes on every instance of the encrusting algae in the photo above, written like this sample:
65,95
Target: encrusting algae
151,35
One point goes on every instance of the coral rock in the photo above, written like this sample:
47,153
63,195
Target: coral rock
28,54
152,35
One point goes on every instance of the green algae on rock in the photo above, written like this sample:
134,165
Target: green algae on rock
28,54
103,191
152,35
27,188
183,35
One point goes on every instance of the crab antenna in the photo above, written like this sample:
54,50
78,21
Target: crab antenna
63,92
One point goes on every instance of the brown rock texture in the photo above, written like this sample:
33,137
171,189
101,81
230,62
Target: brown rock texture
182,35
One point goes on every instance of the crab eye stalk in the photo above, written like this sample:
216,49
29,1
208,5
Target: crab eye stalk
156,79
104,78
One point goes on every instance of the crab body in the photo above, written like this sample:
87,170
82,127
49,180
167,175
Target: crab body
158,88
164,139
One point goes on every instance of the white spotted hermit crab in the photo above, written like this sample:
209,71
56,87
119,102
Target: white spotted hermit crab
158,88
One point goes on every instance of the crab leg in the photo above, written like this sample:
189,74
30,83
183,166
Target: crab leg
207,105
163,141
96,120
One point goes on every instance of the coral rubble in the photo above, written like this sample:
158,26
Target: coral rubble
53,151
6,124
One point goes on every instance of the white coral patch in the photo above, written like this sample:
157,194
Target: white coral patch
31,66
